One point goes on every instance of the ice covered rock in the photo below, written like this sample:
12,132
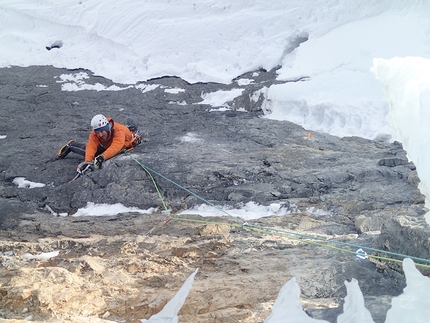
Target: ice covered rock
414,304
169,314
354,310
287,307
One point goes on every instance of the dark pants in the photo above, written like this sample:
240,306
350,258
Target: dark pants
80,148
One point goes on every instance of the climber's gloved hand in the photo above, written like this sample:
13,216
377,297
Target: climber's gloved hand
83,167
98,161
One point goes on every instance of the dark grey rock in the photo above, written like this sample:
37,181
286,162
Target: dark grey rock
392,162
197,156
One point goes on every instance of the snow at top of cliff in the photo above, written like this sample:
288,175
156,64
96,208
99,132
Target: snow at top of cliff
327,44
131,40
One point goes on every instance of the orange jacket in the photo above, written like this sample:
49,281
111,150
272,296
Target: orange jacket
120,138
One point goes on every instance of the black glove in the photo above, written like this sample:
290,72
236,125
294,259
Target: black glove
98,161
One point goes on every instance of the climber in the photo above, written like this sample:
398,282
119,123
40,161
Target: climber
106,140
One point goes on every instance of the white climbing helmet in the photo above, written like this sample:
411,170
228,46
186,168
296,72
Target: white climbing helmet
99,122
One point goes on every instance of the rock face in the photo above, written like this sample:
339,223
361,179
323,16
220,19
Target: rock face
356,191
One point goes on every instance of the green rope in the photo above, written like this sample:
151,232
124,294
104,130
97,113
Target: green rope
343,243
269,231
147,169
280,232
152,178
